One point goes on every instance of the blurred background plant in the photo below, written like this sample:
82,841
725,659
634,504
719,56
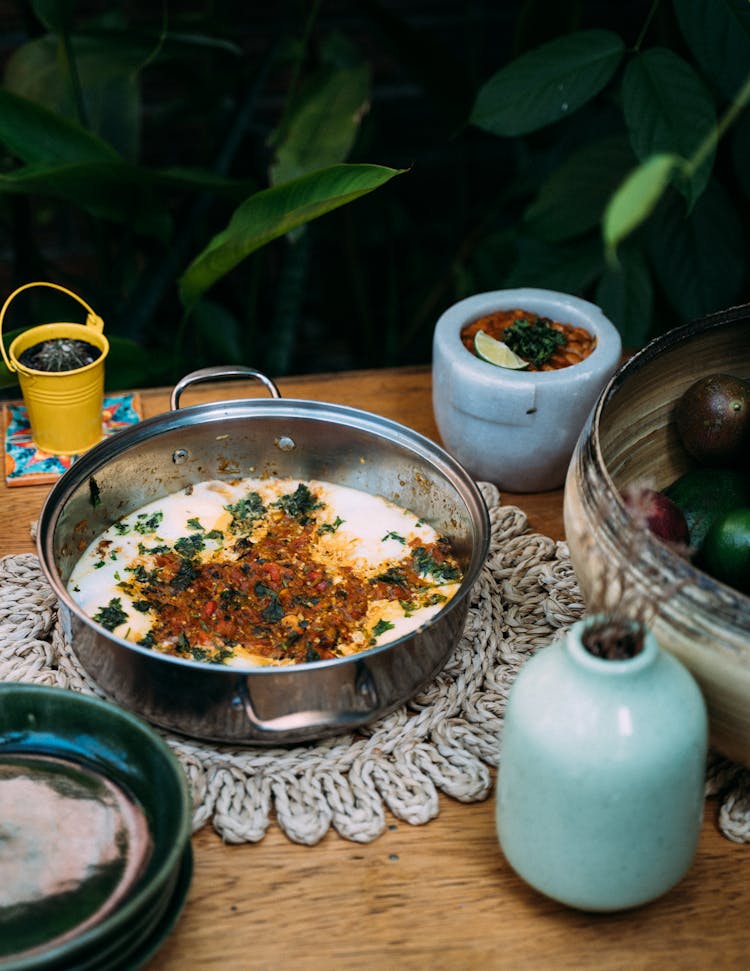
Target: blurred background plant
218,179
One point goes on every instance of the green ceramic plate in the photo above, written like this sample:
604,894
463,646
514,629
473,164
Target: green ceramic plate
140,948
94,830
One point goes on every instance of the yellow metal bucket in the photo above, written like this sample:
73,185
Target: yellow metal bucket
64,407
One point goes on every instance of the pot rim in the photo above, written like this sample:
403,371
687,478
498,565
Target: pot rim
99,455
730,605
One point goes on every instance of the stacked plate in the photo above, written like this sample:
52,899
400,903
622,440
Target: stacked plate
95,819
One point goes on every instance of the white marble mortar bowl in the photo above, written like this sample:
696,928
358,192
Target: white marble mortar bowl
517,429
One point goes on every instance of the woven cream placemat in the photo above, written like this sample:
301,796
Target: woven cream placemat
446,740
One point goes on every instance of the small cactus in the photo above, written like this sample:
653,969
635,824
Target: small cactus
59,354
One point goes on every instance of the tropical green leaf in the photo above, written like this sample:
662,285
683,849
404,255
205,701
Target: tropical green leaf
548,83
571,267
56,15
323,122
33,178
118,191
274,212
573,199
635,199
34,69
626,296
718,34
107,72
668,110
700,260
37,135
114,191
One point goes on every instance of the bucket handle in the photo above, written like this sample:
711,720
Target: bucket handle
92,319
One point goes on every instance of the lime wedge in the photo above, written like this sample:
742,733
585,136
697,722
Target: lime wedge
497,353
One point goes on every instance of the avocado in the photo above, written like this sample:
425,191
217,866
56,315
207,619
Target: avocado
713,419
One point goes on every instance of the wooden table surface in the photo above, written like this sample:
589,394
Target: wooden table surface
439,896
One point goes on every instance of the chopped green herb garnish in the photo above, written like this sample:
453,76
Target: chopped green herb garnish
95,497
380,628
393,576
99,564
391,535
425,563
331,527
184,576
112,615
274,611
246,511
535,341
230,598
435,598
189,546
146,523
142,575
159,548
299,504
195,524
121,528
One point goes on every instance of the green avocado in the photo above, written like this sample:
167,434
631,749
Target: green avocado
704,495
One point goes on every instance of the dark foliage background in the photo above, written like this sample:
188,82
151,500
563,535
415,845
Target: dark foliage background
363,285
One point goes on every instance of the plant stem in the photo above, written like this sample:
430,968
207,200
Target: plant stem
297,70
712,138
646,24
75,81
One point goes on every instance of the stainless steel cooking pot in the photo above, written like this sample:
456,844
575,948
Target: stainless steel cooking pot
275,437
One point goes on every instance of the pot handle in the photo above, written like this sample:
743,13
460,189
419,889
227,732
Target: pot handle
92,319
314,719
216,374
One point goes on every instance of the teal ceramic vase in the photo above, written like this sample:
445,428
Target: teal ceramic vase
601,779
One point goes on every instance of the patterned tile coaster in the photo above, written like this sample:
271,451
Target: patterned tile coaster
25,464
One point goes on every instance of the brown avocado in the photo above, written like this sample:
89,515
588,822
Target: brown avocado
713,419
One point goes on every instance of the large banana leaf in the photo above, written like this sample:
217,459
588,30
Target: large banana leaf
37,135
323,122
66,162
116,190
273,213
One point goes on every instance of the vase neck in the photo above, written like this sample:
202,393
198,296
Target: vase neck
607,667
